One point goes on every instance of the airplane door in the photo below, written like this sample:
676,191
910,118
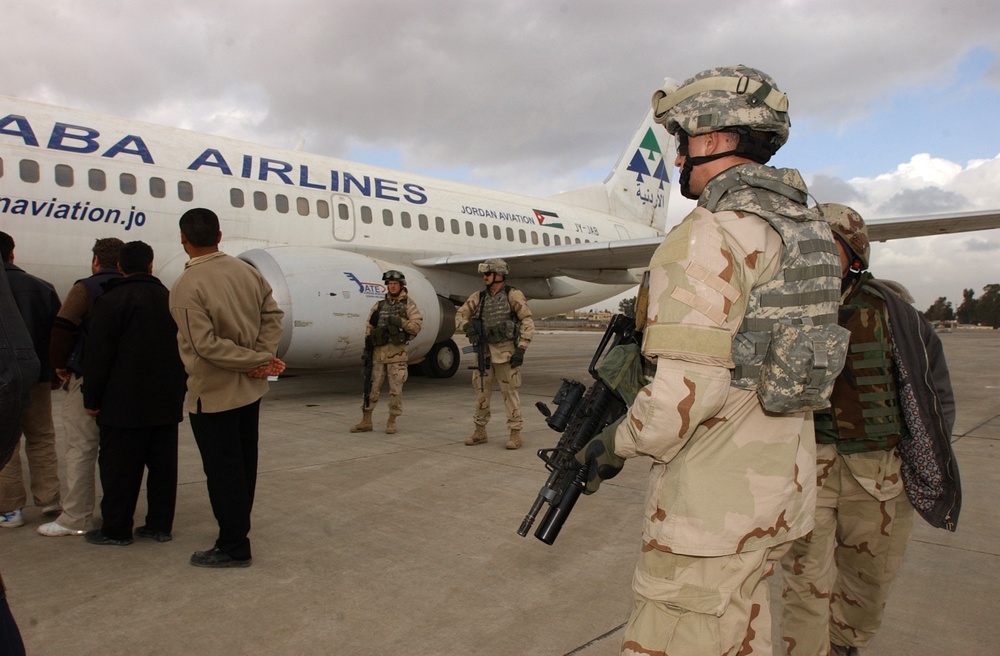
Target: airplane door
343,218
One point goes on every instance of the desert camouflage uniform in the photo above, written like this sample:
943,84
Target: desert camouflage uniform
729,485
501,351
837,578
390,360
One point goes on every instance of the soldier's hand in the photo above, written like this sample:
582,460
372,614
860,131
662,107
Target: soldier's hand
471,333
599,460
394,320
517,359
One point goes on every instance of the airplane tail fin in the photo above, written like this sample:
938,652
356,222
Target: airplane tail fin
638,187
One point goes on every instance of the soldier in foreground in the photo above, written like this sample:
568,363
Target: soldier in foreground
498,322
391,324
731,483
837,577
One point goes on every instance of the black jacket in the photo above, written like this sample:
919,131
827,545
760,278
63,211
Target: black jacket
930,471
134,372
39,304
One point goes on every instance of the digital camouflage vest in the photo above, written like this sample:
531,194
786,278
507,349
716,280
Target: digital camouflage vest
864,413
807,290
499,321
384,333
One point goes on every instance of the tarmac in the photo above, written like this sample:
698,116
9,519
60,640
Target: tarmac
382,544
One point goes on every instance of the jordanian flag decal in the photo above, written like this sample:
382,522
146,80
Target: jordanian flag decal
548,219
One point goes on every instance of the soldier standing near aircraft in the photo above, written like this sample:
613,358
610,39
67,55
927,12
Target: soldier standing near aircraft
730,482
837,577
500,317
393,322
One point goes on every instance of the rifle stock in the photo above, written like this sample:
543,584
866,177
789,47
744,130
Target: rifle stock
581,414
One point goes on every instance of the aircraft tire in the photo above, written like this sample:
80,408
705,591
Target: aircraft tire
442,360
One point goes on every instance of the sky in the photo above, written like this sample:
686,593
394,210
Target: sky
893,103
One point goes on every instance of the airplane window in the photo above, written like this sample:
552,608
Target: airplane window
127,184
496,232
185,191
236,197
64,175
281,203
259,200
484,232
422,220
510,234
470,229
454,227
545,238
404,219
96,180
323,209
558,240
157,188
534,237
302,206
523,237
439,224
1,167
387,217
29,170
343,211
366,214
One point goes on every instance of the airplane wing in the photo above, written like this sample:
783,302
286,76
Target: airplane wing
931,224
604,262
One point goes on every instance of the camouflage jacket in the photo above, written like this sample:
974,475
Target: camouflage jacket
726,477
391,353
501,352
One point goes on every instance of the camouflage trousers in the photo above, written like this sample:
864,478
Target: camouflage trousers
693,605
396,373
510,382
837,578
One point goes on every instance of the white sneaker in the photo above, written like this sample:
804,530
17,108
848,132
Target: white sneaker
11,519
55,530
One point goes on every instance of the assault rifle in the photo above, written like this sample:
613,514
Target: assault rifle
481,349
580,415
367,360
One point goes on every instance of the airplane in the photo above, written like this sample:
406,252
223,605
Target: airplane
322,231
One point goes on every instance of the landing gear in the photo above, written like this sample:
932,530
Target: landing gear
442,360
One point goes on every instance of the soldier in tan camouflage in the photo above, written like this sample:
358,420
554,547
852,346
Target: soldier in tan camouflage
730,485
498,315
837,577
392,323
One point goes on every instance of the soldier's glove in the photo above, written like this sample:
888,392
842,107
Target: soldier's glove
517,359
394,320
599,460
471,333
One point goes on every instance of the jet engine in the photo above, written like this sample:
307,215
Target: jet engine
326,295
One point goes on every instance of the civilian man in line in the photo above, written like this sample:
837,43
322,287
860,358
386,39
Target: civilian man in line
69,338
135,390
38,304
228,327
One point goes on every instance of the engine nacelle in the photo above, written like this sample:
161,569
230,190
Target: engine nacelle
326,296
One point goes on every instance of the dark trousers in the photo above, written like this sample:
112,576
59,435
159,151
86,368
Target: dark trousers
10,637
124,454
228,444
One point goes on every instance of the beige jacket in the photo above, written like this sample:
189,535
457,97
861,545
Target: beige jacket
227,324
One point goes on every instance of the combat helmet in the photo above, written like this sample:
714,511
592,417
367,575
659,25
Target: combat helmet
494,265
850,227
724,99
392,274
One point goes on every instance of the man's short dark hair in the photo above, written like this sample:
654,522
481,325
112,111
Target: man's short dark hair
200,227
135,257
6,247
106,251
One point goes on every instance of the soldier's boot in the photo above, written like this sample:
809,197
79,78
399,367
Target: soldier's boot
478,437
515,440
365,424
390,426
